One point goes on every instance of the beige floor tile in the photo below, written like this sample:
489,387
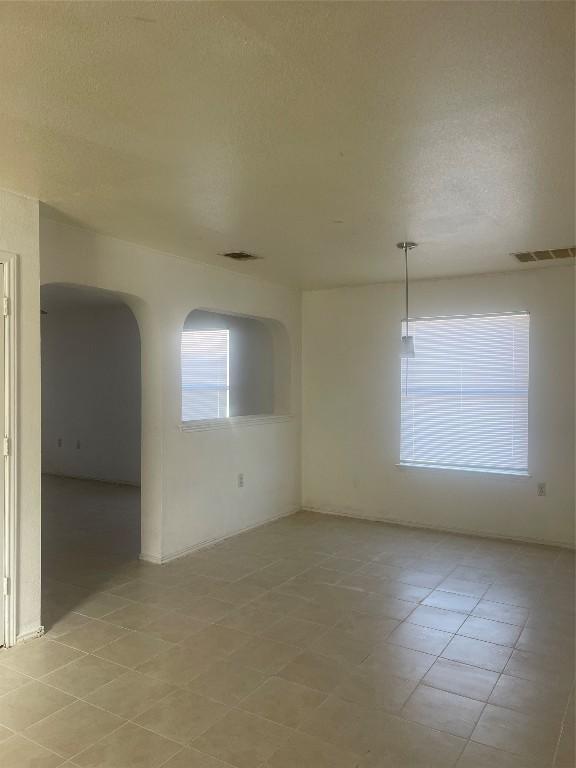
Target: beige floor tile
18,752
142,592
401,661
57,624
254,620
237,592
462,679
303,581
516,732
182,716
540,699
209,609
403,591
318,612
420,638
302,751
314,671
464,587
217,639
547,641
451,601
443,711
227,682
294,631
5,733
481,756
265,655
277,601
343,564
26,705
84,675
566,751
135,615
405,744
383,605
477,653
510,614
375,689
283,702
37,658
177,666
347,725
492,631
540,668
99,604
133,649
73,729
243,740
91,636
369,629
191,758
130,694
10,679
437,618
174,627
128,747
343,646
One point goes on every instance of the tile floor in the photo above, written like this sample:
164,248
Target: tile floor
313,642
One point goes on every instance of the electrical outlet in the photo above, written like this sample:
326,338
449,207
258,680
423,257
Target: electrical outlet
241,480
59,442
78,444
541,489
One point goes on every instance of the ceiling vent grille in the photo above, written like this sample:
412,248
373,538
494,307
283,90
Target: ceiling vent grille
556,253
241,256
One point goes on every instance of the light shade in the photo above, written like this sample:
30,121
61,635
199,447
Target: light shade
407,347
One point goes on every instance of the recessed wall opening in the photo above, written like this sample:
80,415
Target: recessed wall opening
232,366
91,402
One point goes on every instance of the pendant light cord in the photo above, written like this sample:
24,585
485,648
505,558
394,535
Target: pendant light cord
406,282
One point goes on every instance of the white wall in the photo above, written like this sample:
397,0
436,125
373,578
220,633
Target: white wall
189,479
351,408
19,235
91,392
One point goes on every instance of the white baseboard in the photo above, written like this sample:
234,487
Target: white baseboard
31,634
212,542
359,515
131,483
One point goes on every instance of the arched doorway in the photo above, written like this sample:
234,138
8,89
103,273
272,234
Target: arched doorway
91,437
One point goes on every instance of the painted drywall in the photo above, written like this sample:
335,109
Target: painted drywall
90,391
190,491
351,408
19,235
251,360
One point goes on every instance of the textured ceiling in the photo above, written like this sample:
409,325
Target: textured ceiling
313,134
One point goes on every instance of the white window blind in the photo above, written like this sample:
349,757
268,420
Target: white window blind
465,394
205,374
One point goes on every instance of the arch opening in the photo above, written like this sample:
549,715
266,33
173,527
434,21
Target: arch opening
91,445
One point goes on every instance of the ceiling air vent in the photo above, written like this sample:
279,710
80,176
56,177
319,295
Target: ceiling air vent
555,253
241,256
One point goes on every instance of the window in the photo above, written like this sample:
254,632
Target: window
205,377
464,396
233,368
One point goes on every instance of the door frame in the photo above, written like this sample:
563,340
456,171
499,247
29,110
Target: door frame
9,308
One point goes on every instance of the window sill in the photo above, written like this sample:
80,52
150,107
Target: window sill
207,425
467,470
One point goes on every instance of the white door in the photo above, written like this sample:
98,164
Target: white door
2,464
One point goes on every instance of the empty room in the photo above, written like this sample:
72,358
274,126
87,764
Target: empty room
287,386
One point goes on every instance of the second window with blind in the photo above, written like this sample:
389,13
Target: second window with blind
464,396
227,367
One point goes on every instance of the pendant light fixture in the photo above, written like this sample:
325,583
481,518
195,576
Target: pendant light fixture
407,342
